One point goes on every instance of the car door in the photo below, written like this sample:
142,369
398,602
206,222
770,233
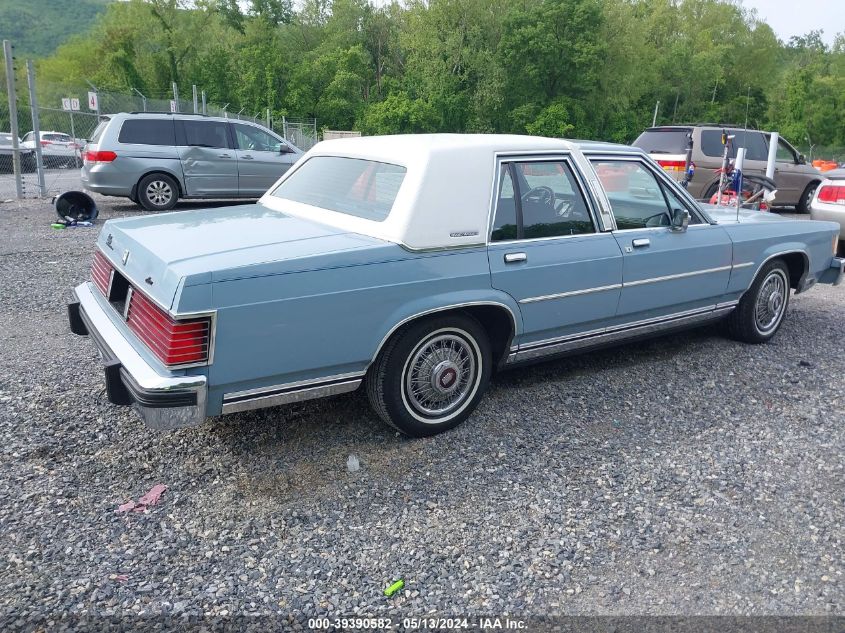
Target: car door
790,176
262,159
547,251
665,272
208,158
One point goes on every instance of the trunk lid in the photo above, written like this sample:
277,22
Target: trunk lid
154,252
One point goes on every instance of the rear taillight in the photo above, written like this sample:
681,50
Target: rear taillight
832,194
182,342
99,156
101,270
672,165
46,143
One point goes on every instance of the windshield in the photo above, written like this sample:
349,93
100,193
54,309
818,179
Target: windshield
361,188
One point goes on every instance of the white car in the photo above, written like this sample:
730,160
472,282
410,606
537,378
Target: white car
829,202
57,148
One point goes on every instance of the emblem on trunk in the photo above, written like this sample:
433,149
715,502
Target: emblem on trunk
125,257
108,242
149,280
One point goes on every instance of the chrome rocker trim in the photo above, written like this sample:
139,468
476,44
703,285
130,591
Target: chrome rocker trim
164,400
291,392
604,336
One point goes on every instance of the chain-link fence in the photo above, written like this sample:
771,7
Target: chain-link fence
300,132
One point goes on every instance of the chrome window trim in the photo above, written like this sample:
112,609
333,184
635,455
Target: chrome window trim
454,306
554,237
541,157
286,393
660,176
571,293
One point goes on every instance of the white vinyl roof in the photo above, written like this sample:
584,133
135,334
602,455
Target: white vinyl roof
445,198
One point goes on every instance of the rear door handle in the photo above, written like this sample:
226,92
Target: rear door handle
512,258
224,156
641,242
247,157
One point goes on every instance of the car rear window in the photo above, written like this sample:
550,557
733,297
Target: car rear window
668,141
147,132
64,138
756,147
361,188
98,131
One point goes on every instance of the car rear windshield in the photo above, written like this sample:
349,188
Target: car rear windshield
147,132
667,141
98,131
755,144
64,138
362,188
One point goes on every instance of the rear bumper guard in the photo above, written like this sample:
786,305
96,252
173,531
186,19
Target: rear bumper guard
835,273
164,400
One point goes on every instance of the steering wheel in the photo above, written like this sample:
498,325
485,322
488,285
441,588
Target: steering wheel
656,216
542,194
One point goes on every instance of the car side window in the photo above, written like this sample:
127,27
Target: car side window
539,199
251,138
206,134
636,197
784,153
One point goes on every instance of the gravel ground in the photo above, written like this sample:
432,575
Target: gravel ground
684,475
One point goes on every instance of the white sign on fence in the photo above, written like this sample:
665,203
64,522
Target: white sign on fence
93,104
74,104
172,106
65,103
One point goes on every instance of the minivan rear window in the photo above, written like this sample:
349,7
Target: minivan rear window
354,186
147,132
665,141
755,144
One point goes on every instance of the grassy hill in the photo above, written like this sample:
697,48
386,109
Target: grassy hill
37,27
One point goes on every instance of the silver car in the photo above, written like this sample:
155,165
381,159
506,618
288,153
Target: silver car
829,202
155,159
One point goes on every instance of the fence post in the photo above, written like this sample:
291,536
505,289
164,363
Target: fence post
36,128
13,117
176,95
267,120
204,108
196,108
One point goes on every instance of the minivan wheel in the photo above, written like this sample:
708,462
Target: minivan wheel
158,192
431,375
762,308
803,205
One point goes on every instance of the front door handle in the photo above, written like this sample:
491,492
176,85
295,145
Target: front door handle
224,156
512,258
641,242
247,157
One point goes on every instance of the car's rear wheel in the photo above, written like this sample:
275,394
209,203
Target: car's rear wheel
431,375
762,308
157,192
803,205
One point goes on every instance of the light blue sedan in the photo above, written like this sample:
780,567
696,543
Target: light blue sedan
419,266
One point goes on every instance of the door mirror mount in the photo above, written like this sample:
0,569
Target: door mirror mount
680,220
802,160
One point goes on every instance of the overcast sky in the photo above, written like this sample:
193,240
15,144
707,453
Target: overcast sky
797,17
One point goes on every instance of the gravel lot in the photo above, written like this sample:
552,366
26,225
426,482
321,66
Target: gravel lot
685,475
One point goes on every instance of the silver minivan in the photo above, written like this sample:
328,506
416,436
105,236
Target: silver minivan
154,159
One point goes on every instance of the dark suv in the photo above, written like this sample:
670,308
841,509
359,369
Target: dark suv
667,144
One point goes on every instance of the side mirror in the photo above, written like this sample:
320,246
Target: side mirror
802,160
680,220
284,149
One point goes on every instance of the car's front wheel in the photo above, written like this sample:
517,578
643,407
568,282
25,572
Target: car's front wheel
431,375
158,192
762,308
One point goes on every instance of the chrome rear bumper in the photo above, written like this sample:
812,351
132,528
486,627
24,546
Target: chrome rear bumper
164,400
834,274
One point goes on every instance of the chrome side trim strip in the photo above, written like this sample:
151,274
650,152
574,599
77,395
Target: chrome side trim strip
571,293
613,336
616,328
291,392
694,273
727,304
743,265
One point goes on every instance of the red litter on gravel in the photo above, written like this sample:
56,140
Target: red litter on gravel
149,499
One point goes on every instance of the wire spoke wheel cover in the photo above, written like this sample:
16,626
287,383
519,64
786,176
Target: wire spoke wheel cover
441,375
771,301
159,192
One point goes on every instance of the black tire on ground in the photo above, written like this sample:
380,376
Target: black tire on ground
430,375
157,192
762,308
803,205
